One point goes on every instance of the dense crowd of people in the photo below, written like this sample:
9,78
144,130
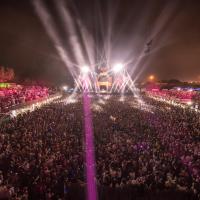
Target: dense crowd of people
178,96
196,98
144,150
175,93
13,96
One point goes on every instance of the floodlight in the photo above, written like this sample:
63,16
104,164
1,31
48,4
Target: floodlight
85,69
118,67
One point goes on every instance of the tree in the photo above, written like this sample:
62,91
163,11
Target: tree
7,74
2,73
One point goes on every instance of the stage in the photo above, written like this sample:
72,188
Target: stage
105,80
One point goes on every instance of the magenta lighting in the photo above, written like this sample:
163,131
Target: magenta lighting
89,150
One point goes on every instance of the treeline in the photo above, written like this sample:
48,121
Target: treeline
6,74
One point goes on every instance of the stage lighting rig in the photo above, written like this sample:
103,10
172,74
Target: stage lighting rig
85,69
118,67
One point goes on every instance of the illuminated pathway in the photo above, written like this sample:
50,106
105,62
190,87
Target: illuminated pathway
89,150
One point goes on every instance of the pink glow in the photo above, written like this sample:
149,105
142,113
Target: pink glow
89,150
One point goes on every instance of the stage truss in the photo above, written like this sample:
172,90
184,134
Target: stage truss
109,81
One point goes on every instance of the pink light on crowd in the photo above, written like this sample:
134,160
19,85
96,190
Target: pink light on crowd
15,95
89,150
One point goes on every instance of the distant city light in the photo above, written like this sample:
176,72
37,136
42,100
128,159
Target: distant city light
151,77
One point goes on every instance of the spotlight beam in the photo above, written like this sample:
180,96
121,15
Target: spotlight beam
49,26
70,30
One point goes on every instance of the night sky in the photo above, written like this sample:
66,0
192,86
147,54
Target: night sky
172,26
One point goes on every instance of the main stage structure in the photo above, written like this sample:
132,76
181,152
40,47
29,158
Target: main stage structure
105,80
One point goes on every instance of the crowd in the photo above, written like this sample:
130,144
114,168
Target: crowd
179,96
196,98
175,94
13,96
140,153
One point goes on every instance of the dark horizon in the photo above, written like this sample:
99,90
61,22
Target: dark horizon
173,28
